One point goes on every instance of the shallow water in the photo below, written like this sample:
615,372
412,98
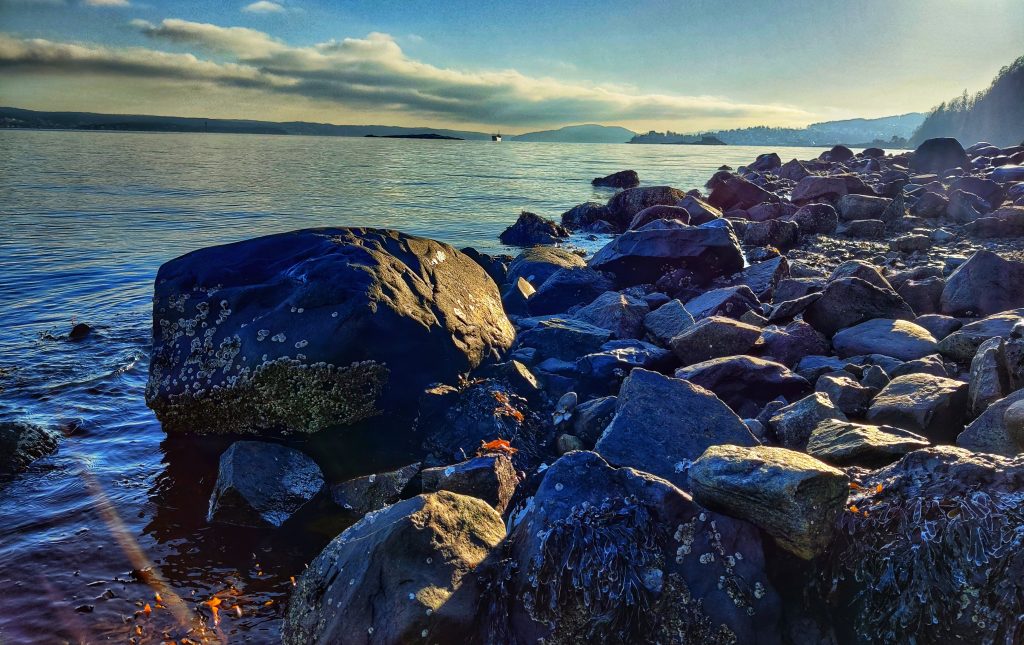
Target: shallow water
91,534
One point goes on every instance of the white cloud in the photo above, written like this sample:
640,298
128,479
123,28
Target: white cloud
374,73
106,3
263,6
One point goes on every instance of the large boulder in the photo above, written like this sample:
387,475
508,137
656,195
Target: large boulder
746,383
849,301
619,556
531,229
537,264
900,339
984,284
962,344
938,155
567,288
22,443
305,330
661,424
621,179
929,405
644,255
844,443
262,484
990,433
791,496
624,206
934,554
404,574
584,215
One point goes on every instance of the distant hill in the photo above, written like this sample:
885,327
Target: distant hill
891,130
995,114
18,118
589,133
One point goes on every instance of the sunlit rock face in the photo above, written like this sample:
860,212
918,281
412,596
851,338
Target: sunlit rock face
317,327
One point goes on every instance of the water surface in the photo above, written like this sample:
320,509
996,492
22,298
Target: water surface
93,533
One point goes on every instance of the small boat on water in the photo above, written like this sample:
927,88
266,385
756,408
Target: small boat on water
496,138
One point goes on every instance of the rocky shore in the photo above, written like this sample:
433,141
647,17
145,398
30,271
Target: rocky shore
785,408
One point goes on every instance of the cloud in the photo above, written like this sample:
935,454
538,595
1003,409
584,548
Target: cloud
263,6
106,3
374,73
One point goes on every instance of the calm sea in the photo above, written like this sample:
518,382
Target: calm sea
91,534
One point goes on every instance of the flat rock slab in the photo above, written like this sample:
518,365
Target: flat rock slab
262,484
900,339
373,492
929,405
844,443
794,497
661,424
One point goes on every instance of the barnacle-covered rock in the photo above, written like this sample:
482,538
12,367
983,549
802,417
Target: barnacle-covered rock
403,574
22,443
934,552
609,555
318,327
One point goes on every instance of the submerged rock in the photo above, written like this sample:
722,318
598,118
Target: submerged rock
305,330
262,484
794,497
531,229
22,443
621,179
403,574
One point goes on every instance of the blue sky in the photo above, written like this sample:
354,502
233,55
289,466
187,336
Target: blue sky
685,66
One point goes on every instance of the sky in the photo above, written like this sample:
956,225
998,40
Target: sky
683,65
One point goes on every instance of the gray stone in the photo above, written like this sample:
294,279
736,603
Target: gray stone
590,418
860,207
863,270
865,229
566,288
989,432
794,423
624,206
661,424
849,301
564,338
845,393
619,313
373,492
531,229
938,326
793,497
989,379
491,478
537,264
983,285
746,383
731,302
793,288
774,232
963,344
899,339
843,443
713,337
789,344
666,322
929,405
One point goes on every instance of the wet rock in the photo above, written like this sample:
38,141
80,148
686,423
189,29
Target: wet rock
644,255
730,302
624,206
592,417
900,339
746,383
735,192
373,492
990,433
813,219
567,288
938,155
349,320
766,162
564,338
985,284
619,313
621,179
79,331
861,207
793,497
22,443
937,553
774,232
963,344
491,478
537,264
713,337
532,229
845,393
666,322
585,215
689,419
989,378
844,443
794,423
611,555
654,213
262,484
929,405
850,301
397,574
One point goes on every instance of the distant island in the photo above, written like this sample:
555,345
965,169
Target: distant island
429,135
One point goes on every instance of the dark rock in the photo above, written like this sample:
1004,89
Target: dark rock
929,405
923,296
989,379
766,162
617,358
865,229
654,213
793,497
793,170
397,574
966,207
794,423
22,443
938,326
532,229
689,419
713,337
585,215
910,243
731,302
990,432
621,179
567,288
700,211
847,394
590,418
843,443
762,277
373,492
537,264
619,313
495,266
262,484
516,297
491,478
789,344
938,155
962,344
666,322
813,367
874,153
899,339
774,232
930,205
813,219
349,320
746,383
863,270
816,187
610,555
931,364
849,301
861,207
990,191
79,331
838,153
985,284
643,256
624,206
736,192
793,288
564,338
